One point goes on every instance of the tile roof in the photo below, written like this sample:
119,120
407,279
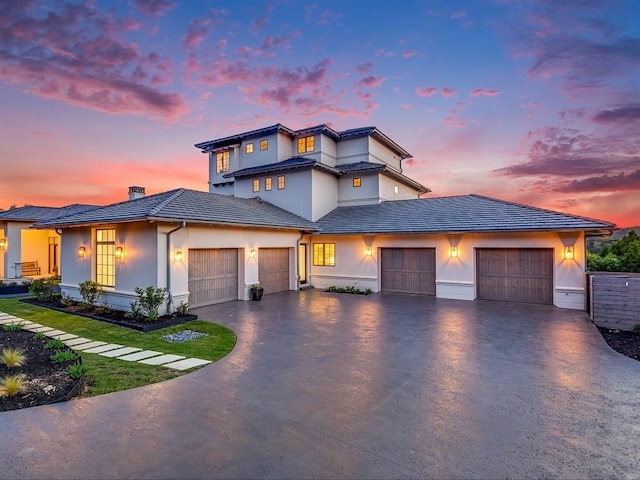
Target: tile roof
467,213
236,139
32,213
290,164
191,206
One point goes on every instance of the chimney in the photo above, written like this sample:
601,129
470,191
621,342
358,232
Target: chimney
136,192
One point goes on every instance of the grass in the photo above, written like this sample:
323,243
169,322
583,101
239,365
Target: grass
105,375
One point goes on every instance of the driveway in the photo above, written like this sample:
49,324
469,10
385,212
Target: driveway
327,385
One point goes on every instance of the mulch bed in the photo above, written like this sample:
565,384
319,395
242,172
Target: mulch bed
116,317
626,343
46,382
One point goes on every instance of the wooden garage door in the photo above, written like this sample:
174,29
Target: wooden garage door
408,270
273,269
213,276
515,274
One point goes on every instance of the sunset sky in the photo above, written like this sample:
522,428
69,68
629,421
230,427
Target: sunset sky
536,102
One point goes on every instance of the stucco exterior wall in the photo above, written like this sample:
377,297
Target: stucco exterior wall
388,190
381,154
324,194
328,150
366,194
352,151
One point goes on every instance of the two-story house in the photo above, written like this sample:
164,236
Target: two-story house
318,207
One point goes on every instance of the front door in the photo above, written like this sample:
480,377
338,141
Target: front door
53,255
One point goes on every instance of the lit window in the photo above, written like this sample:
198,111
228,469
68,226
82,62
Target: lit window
281,182
267,183
306,144
106,257
222,162
324,254
256,185
264,144
357,182
248,148
396,189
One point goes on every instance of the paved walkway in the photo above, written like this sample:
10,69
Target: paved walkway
113,350
326,386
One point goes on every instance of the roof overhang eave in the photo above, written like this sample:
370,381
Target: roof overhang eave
229,224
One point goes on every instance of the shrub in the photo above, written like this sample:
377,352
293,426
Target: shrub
13,357
353,290
636,328
55,344
150,300
182,310
12,385
104,309
90,291
67,301
12,327
136,311
62,356
39,335
76,370
44,288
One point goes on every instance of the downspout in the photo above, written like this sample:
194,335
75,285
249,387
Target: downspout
183,224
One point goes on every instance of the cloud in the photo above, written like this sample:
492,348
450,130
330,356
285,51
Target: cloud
364,68
370,82
457,15
627,114
155,8
448,92
200,28
611,183
276,42
76,55
481,92
426,92
409,54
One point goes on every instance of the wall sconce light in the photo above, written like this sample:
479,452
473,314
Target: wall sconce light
252,253
120,252
3,243
367,251
178,255
454,252
82,252
568,252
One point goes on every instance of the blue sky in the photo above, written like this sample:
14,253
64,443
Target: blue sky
529,101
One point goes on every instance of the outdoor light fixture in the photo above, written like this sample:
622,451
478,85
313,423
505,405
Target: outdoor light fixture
82,252
367,251
3,243
454,252
178,255
119,252
252,253
568,252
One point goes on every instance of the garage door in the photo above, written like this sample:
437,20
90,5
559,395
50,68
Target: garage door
273,269
408,270
213,276
515,274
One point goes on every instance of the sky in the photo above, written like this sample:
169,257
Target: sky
535,102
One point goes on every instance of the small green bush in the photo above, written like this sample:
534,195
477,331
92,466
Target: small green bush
13,357
44,288
76,370
67,301
62,356
90,291
12,327
636,327
12,384
55,344
149,301
182,310
39,335
352,290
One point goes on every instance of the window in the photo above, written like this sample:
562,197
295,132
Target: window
248,148
267,183
106,257
306,144
357,181
281,182
256,185
222,162
264,144
324,254
396,190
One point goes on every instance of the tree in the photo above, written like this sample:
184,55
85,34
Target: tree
618,256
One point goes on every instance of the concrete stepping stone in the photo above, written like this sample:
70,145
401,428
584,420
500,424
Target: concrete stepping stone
44,329
65,336
134,357
53,333
4,321
85,346
162,359
103,348
120,351
77,341
31,326
186,364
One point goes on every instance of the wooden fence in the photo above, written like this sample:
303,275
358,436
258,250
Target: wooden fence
613,299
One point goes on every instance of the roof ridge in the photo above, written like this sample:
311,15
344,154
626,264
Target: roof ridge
155,210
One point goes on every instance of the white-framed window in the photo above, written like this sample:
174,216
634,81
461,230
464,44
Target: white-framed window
248,148
264,144
222,162
256,185
324,254
357,182
268,183
281,184
306,144
106,257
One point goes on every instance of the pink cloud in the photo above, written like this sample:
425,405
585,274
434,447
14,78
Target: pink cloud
370,82
457,15
156,8
426,92
282,41
448,92
381,52
409,54
364,68
453,121
478,92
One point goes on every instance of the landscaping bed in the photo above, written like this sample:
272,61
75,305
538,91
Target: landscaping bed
624,342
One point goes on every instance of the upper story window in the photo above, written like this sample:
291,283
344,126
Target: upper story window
357,181
306,144
267,183
324,254
264,144
222,162
396,189
256,185
281,182
248,148
106,257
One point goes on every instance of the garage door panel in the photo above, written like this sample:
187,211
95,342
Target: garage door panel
515,275
213,276
408,270
273,269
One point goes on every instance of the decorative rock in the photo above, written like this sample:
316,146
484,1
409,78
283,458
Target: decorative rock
183,336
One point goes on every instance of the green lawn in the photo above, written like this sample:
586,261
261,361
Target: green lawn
104,375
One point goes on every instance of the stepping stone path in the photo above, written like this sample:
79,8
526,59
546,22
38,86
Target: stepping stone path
129,354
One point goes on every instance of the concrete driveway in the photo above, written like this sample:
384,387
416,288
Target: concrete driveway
341,386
